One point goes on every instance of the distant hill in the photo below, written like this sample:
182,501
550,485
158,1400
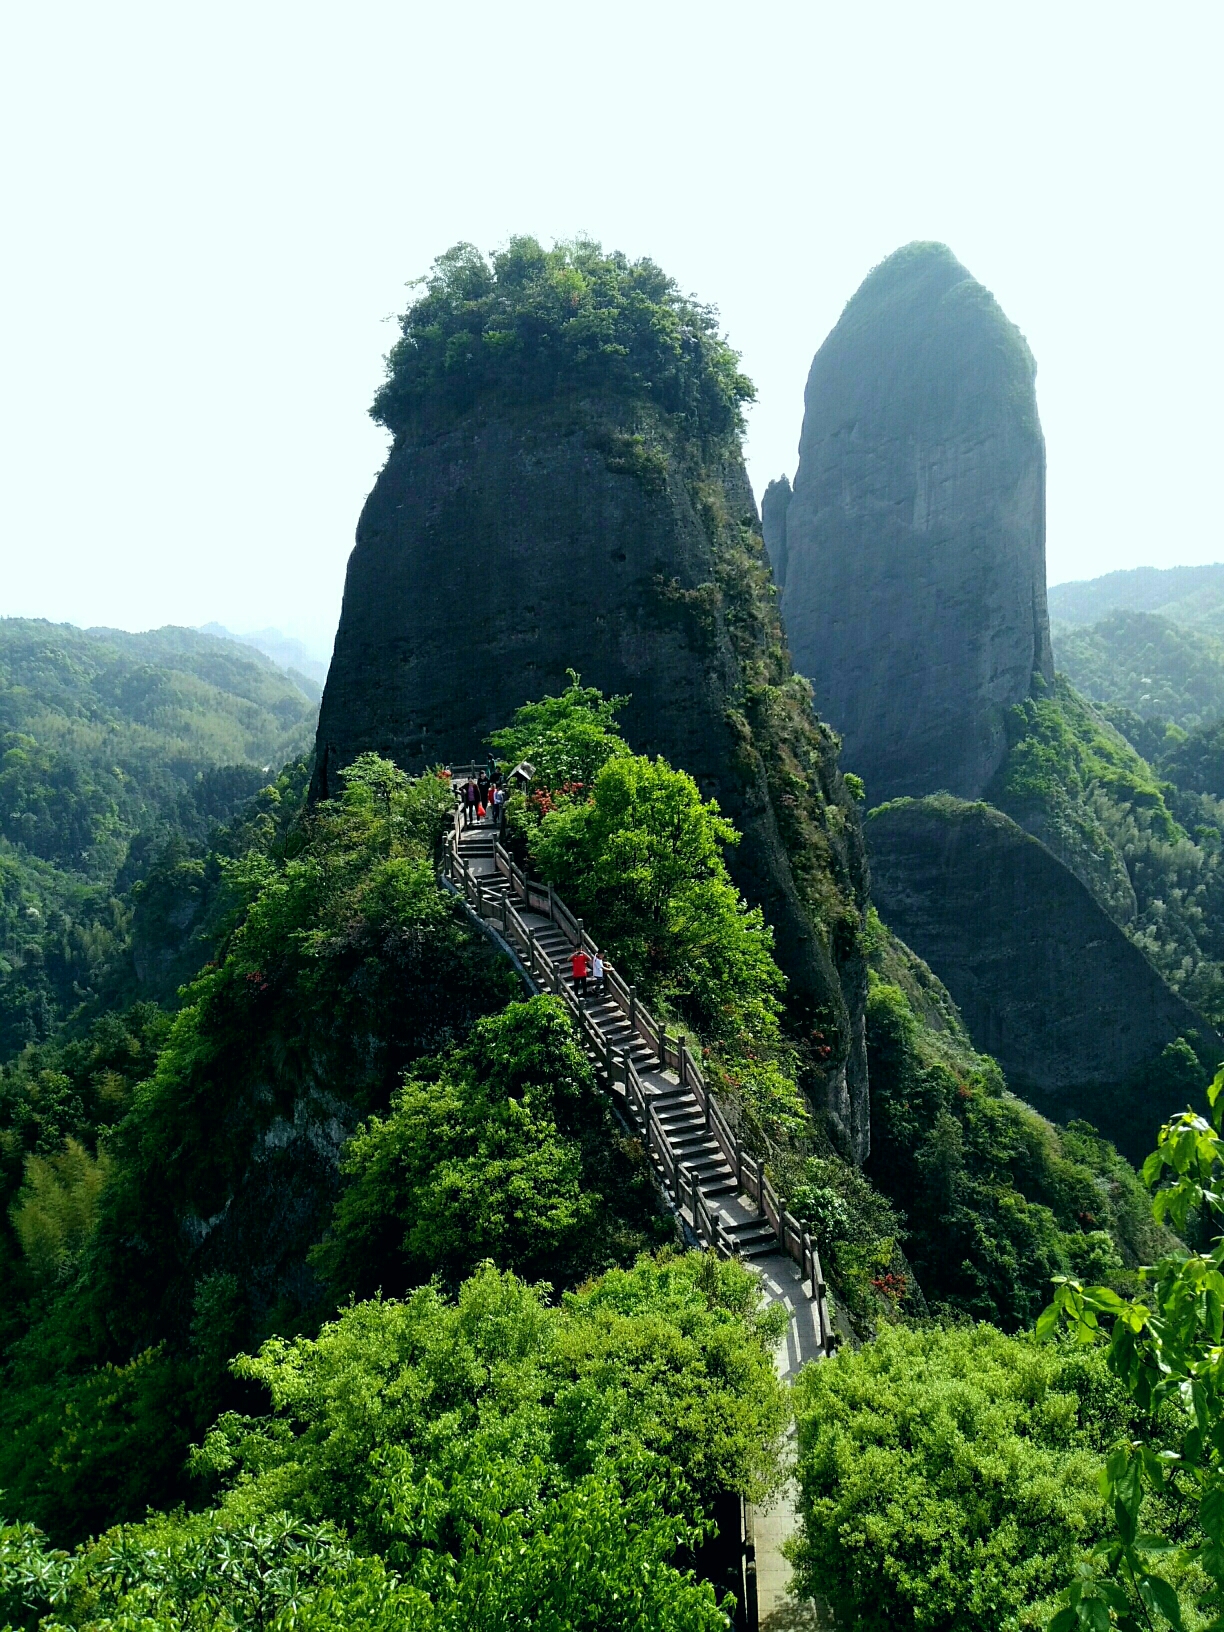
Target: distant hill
1192,597
112,747
1148,663
294,656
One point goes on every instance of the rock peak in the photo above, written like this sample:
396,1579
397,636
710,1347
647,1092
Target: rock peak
914,542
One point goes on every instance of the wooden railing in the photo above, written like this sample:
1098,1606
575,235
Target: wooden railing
795,1239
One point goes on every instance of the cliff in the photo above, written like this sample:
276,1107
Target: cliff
522,528
913,585
1045,981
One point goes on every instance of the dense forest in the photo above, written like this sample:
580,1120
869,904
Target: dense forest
335,1290
450,1154
118,755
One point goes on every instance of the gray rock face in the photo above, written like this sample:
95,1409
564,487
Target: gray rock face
494,556
774,507
1044,979
913,590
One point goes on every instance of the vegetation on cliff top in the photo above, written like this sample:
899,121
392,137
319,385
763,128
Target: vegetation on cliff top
530,321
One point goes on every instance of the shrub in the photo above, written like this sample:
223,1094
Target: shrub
948,1477
501,1151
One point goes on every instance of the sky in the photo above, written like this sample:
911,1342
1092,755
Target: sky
211,214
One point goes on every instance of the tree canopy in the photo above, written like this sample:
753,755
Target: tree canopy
529,322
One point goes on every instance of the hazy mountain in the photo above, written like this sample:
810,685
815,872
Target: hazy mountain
1190,596
300,661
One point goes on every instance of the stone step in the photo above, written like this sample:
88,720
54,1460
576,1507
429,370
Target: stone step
708,1166
700,1156
716,1186
679,1111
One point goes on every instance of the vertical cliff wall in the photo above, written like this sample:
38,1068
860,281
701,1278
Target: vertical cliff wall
507,541
913,583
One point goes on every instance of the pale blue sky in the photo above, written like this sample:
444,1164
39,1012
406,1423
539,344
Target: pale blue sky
211,211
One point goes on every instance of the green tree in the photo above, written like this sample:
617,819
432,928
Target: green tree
567,739
503,1151
948,1476
1165,1348
642,861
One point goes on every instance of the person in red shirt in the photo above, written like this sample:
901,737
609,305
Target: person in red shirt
580,967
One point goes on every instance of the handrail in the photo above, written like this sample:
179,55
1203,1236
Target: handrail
794,1238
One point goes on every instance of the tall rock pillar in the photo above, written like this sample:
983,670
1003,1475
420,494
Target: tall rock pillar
913,587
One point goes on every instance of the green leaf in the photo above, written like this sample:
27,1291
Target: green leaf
1064,1621
1166,1599
1211,1513
1047,1322
1199,1396
1155,1544
1152,1168
1093,1613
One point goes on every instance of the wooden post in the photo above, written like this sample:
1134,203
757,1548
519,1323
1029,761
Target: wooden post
506,913
782,1222
552,917
682,1063
633,1008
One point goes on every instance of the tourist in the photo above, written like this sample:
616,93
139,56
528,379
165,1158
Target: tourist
470,801
580,966
597,973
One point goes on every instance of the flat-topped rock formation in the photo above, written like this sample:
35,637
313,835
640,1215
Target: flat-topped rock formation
911,554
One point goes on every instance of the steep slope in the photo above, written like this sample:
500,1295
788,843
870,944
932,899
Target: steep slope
554,503
1046,981
914,589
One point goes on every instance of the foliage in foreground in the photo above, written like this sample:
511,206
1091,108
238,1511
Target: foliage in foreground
502,1150
1166,1350
221,1138
486,1463
948,1477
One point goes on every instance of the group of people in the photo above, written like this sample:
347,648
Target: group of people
484,796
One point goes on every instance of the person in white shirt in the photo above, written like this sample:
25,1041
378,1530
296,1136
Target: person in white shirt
597,973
